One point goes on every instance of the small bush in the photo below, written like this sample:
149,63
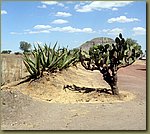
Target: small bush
17,53
6,51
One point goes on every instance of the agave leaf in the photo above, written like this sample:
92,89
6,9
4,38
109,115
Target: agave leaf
52,62
68,62
33,53
42,62
35,49
28,68
37,64
48,58
55,46
43,55
55,61
29,60
32,66
46,47
53,53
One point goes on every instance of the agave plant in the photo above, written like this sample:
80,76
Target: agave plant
49,59
33,66
69,58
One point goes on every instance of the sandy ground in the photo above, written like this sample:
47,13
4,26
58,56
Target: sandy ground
45,104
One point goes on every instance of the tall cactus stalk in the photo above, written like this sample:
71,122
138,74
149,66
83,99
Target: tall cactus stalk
109,58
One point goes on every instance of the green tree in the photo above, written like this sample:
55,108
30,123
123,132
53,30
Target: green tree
6,51
132,42
25,46
109,58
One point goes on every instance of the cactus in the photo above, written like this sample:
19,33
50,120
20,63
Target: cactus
109,58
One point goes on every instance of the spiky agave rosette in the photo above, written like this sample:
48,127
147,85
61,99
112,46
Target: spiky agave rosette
49,59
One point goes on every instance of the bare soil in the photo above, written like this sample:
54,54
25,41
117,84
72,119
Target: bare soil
76,99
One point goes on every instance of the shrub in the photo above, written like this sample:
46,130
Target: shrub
6,51
17,53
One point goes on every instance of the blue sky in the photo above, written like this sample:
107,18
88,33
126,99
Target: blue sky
70,23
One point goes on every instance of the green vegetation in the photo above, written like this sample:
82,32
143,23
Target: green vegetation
25,46
109,58
49,59
17,53
6,51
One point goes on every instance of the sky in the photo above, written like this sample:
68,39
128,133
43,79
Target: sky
70,23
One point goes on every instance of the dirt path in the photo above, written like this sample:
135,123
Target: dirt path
21,112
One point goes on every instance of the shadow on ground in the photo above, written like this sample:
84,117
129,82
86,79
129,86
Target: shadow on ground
142,69
87,89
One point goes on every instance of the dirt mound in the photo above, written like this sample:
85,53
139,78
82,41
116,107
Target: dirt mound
74,85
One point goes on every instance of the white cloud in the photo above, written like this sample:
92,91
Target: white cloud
78,8
98,5
67,29
42,27
139,31
122,19
114,9
85,2
30,32
47,29
114,31
70,29
88,30
15,33
60,4
37,32
42,6
52,3
3,12
63,14
59,21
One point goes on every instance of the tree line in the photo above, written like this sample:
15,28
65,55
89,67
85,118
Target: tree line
24,46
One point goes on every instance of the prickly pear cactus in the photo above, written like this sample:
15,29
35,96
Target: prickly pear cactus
119,54
109,58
